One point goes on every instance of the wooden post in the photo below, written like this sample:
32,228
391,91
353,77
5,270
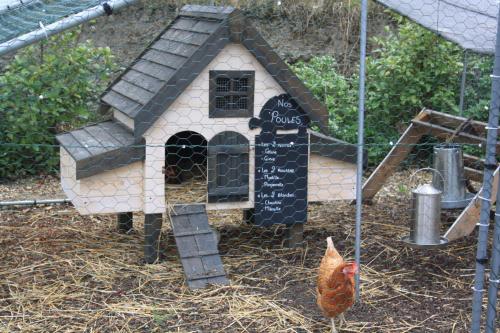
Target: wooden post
152,229
249,216
466,223
294,235
125,222
397,154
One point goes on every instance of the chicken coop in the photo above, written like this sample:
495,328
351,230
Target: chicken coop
207,96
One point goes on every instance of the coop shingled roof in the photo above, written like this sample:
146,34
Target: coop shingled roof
99,147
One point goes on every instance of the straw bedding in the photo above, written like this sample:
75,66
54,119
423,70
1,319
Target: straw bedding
62,272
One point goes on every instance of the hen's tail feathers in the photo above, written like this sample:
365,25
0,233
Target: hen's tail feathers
329,243
330,248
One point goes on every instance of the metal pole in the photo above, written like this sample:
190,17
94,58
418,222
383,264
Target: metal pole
494,273
485,194
34,202
14,4
462,84
361,127
64,24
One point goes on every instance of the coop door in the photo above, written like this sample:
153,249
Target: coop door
228,168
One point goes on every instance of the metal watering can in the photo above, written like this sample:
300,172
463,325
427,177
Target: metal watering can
448,161
425,220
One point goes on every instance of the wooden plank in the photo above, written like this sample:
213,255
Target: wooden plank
121,103
473,162
145,81
165,59
106,139
133,92
466,223
185,36
73,146
213,265
118,132
443,133
88,141
188,209
184,23
473,174
192,233
206,243
155,70
193,268
398,153
448,120
204,26
186,246
180,224
173,47
197,284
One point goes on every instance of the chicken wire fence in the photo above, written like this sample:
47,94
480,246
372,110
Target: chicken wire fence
227,157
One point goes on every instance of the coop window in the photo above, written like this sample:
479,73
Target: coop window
231,93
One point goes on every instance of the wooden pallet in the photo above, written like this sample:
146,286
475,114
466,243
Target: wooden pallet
197,246
442,126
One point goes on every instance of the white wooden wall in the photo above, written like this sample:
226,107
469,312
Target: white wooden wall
117,190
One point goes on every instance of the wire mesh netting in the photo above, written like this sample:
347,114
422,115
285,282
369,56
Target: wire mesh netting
182,167
18,17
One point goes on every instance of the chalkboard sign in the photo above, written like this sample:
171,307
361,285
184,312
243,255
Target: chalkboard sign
280,112
281,163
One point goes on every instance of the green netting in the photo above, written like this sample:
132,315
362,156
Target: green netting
26,18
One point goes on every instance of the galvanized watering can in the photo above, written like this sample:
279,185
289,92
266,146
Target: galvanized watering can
448,161
425,220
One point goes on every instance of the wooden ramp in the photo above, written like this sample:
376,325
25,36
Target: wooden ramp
197,246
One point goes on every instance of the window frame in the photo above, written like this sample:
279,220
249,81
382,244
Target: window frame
215,112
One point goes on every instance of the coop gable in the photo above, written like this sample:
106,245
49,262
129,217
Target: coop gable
179,54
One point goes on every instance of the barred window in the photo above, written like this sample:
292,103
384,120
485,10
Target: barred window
231,93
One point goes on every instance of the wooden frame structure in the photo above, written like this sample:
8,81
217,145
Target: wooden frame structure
445,127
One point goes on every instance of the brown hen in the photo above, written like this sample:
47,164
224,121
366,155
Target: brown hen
335,289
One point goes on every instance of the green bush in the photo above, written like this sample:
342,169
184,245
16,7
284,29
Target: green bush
44,90
478,87
335,91
407,70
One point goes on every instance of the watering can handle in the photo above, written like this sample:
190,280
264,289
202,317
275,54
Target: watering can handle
426,169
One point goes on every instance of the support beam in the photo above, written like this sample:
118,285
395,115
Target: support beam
249,216
466,223
294,235
152,229
397,154
125,222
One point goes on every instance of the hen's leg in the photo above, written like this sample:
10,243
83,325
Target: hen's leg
334,330
342,320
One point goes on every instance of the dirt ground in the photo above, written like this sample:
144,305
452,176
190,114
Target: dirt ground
62,272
